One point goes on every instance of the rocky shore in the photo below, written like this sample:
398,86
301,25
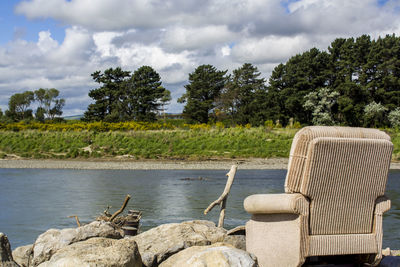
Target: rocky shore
100,243
217,164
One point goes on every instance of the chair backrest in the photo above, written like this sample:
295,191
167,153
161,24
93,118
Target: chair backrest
342,171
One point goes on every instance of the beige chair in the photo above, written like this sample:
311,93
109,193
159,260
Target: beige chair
334,198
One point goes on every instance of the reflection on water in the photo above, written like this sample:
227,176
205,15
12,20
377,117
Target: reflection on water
34,200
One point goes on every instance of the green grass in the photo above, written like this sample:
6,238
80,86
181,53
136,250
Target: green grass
164,144
194,144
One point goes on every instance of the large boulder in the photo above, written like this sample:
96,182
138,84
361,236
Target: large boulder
219,254
53,240
99,252
22,255
6,258
157,244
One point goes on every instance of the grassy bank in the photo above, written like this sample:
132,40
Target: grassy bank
195,142
167,144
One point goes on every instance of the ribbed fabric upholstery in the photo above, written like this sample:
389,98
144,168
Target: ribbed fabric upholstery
342,244
342,174
343,177
301,142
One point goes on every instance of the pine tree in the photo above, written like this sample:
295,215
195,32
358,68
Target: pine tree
205,86
145,95
245,95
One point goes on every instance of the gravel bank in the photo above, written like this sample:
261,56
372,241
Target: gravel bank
273,163
276,163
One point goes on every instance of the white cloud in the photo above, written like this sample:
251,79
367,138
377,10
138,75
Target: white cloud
46,43
189,38
174,37
273,49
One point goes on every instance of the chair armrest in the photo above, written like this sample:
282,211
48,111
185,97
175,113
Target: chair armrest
276,203
382,204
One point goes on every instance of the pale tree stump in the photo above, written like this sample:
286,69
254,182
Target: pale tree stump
224,196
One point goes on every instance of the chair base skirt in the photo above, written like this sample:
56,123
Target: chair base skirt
274,239
324,245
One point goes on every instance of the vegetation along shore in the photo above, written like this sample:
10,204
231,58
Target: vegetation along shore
163,145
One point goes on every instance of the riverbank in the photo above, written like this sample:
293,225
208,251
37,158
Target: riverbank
253,163
217,164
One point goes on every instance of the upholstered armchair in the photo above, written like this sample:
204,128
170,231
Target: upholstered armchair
333,201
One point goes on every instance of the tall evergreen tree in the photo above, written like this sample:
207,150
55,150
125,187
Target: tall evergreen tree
205,85
108,97
290,82
145,95
245,96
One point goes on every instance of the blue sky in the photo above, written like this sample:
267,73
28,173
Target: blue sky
59,43
14,26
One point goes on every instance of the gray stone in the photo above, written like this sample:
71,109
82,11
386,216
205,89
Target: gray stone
157,244
52,240
6,258
97,251
22,255
219,254
238,241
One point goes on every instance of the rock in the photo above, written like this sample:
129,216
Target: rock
6,258
395,252
388,252
219,254
157,244
390,261
22,254
52,240
97,251
238,241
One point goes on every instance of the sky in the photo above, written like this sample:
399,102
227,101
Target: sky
59,43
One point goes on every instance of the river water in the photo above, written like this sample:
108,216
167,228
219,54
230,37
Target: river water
34,200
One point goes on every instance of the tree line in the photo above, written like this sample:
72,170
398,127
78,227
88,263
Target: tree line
123,96
49,105
355,82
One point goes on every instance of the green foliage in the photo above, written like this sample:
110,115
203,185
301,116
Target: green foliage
200,141
374,114
40,114
149,140
205,85
108,97
320,103
269,124
18,106
124,97
360,70
145,95
244,97
290,82
394,118
49,104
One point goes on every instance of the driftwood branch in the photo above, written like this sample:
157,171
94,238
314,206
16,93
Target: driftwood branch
106,211
121,209
224,196
77,219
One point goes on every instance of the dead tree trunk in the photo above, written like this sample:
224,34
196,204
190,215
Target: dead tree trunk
121,209
224,196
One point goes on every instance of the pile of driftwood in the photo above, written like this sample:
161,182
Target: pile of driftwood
130,222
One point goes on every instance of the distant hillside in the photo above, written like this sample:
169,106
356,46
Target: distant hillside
75,117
